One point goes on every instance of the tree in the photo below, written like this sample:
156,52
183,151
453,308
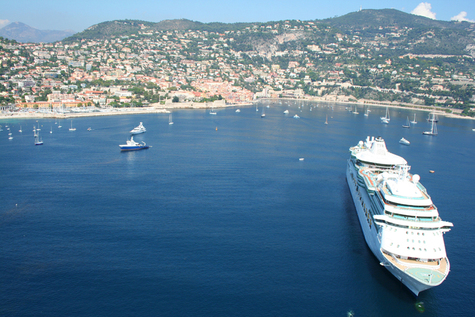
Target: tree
175,99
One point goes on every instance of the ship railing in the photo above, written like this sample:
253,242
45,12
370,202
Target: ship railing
439,265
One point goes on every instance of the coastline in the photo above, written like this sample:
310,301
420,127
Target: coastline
187,105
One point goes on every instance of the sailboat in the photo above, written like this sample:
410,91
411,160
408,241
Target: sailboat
51,131
20,130
72,129
433,129
407,125
367,112
212,112
386,118
170,119
263,115
356,111
414,121
38,140
326,121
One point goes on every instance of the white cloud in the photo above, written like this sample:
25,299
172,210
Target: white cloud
424,9
4,23
461,17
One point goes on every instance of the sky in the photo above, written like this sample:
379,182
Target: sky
81,14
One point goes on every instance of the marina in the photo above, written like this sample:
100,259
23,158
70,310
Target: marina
225,215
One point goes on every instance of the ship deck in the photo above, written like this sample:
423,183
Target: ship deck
432,273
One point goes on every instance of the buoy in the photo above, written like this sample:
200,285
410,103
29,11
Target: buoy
420,307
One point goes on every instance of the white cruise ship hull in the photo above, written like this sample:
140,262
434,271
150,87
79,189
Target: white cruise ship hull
369,228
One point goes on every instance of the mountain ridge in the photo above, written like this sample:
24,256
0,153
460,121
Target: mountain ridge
24,33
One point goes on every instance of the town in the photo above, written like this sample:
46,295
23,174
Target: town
286,59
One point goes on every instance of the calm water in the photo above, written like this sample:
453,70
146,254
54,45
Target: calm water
219,217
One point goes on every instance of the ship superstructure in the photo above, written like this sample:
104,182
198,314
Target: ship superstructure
401,225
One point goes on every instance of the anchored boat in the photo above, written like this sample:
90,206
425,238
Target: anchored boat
400,223
138,129
131,145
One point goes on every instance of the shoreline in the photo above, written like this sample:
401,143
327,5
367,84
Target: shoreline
186,105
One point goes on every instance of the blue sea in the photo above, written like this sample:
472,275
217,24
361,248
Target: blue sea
224,215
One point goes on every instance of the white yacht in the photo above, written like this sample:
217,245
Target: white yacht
404,141
400,223
138,129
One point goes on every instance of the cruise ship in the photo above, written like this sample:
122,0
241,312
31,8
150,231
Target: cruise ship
400,223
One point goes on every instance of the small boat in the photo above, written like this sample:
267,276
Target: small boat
301,159
38,140
433,129
296,116
138,129
89,129
404,141
238,110
286,111
386,118
72,129
131,145
414,121
407,124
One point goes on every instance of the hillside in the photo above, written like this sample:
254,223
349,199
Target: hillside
400,32
109,29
